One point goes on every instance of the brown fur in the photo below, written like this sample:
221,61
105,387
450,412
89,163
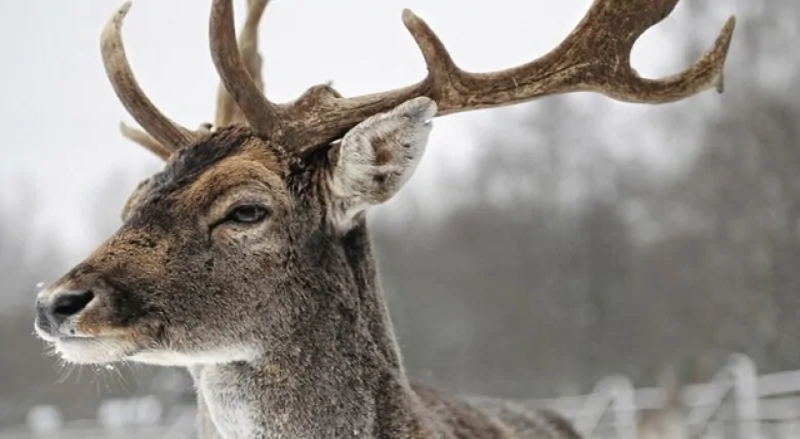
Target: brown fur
284,322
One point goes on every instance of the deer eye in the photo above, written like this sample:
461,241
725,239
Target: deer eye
247,214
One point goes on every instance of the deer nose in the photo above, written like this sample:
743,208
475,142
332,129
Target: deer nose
53,311
70,303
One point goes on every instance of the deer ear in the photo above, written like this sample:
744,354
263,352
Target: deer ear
377,157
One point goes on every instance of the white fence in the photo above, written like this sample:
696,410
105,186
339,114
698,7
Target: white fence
735,404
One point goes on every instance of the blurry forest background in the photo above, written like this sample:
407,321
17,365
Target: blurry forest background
557,260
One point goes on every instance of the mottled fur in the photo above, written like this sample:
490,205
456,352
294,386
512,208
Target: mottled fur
282,324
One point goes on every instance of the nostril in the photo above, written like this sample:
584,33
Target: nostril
71,303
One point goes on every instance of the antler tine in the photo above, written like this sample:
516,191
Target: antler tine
145,140
227,110
595,56
169,135
150,143
261,114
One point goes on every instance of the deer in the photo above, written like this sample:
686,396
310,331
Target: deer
247,259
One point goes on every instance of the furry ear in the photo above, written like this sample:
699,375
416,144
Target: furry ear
377,157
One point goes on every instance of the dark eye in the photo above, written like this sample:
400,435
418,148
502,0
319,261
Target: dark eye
248,214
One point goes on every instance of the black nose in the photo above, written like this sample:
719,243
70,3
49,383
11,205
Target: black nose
50,314
70,303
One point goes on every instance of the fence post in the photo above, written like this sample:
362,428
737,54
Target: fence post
624,408
745,396
615,394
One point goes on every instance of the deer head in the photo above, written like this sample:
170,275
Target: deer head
239,242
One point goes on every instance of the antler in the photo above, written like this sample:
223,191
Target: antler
594,57
162,130
227,110
165,133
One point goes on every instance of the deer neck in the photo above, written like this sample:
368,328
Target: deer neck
342,378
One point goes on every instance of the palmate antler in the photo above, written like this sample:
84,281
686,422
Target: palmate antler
595,56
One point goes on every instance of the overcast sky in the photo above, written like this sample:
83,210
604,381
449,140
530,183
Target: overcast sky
60,117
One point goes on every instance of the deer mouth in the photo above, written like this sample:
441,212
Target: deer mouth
76,346
84,325
94,350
